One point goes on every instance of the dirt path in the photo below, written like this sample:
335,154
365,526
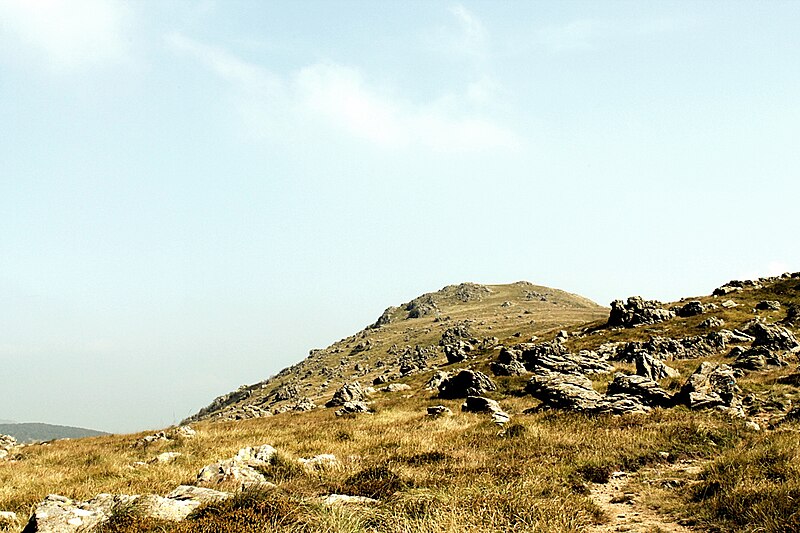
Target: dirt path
620,499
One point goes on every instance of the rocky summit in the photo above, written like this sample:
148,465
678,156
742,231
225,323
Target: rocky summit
473,408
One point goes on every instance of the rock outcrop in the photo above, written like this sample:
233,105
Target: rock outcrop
637,311
466,383
653,369
349,392
240,468
712,385
645,390
7,444
479,404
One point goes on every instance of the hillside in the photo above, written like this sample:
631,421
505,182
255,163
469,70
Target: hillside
514,408
405,340
35,431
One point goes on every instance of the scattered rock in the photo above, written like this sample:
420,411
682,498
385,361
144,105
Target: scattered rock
436,380
239,467
771,336
792,315
565,391
423,306
8,519
479,404
349,392
7,444
396,387
729,304
645,390
693,308
514,368
652,368
637,311
439,410
351,408
344,499
712,322
166,457
466,383
386,318
768,305
458,351
304,404
711,385
380,380
757,358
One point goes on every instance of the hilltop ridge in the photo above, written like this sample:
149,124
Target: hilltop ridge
405,339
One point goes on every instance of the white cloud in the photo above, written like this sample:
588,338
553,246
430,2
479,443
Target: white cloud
341,98
588,34
473,33
70,34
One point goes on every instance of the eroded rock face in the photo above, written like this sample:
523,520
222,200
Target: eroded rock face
637,311
645,390
711,385
349,392
667,348
466,383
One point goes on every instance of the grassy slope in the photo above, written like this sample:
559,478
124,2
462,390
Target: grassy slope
458,473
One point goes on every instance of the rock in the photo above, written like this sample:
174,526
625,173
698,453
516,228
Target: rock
304,404
554,356
692,308
637,311
181,432
652,368
768,305
466,383
166,457
380,380
436,380
239,467
736,286
479,404
458,351
351,408
386,318
712,322
396,387
645,390
58,514
622,405
349,392
287,392
757,358
515,368
7,444
729,304
771,336
563,391
792,315
344,499
711,385
423,306
439,410
325,461
666,348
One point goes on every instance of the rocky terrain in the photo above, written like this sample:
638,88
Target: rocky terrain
474,408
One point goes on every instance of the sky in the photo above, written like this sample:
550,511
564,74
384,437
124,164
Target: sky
193,194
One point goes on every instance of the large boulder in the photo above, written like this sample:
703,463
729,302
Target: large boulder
645,390
457,351
667,348
554,356
771,336
637,311
653,369
466,383
758,358
792,316
711,385
692,308
349,392
352,408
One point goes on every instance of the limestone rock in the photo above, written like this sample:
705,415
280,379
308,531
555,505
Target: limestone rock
349,392
692,308
758,358
458,351
637,311
344,499
768,305
711,322
436,380
711,385
7,444
166,457
351,408
514,368
439,410
466,383
396,387
771,336
652,368
325,461
479,404
199,494
622,404
792,316
565,391
645,390
8,519
239,467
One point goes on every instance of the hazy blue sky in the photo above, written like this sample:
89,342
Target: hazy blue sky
194,194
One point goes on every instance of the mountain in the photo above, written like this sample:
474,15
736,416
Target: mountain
472,409
405,340
38,432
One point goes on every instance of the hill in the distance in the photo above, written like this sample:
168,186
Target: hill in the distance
36,431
